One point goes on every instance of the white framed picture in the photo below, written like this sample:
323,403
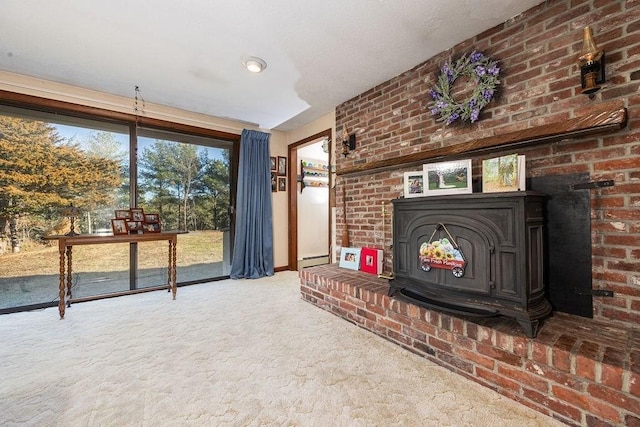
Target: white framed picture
445,178
413,184
350,258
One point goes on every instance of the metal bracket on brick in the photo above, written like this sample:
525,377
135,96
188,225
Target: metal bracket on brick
593,184
594,292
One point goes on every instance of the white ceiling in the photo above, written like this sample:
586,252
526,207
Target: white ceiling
187,54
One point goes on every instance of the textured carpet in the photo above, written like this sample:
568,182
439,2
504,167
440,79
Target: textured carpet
240,353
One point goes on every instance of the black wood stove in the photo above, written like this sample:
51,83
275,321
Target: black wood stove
474,255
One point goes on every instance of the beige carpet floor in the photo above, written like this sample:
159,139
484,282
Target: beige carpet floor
229,353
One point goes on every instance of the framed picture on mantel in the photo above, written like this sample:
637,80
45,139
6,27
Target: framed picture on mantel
413,184
448,178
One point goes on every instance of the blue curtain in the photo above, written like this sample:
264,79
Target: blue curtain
253,244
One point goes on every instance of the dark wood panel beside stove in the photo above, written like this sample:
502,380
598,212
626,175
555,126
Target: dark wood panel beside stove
476,254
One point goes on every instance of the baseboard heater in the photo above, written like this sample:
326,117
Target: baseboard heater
315,257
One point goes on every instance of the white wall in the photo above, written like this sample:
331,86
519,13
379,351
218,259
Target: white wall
323,123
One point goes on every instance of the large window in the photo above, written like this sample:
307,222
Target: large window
51,161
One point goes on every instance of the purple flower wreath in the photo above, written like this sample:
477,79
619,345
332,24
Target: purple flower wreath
479,68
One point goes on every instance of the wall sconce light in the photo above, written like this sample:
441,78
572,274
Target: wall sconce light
591,65
326,145
348,141
71,212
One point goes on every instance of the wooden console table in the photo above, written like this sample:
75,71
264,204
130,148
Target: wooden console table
66,244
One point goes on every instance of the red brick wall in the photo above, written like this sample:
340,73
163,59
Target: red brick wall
540,83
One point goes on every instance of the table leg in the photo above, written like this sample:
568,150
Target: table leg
169,285
61,293
174,285
69,275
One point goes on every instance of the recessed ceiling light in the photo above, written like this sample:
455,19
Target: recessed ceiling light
254,64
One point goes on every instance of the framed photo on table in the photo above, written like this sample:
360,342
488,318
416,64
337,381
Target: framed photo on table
137,214
119,226
134,227
123,214
149,218
153,227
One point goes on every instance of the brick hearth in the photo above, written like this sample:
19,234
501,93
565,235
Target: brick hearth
577,370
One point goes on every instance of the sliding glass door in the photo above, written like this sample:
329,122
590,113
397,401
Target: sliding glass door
185,180
50,162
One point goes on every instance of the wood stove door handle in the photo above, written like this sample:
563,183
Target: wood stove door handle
492,283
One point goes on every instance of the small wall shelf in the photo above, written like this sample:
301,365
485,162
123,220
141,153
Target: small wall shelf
313,174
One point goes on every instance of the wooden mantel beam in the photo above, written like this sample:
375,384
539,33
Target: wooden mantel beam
596,121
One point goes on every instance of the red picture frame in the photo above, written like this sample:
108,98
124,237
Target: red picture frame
371,260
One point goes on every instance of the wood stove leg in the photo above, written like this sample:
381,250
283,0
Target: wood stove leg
393,290
530,327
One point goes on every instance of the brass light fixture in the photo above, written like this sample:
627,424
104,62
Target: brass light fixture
591,65
326,145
